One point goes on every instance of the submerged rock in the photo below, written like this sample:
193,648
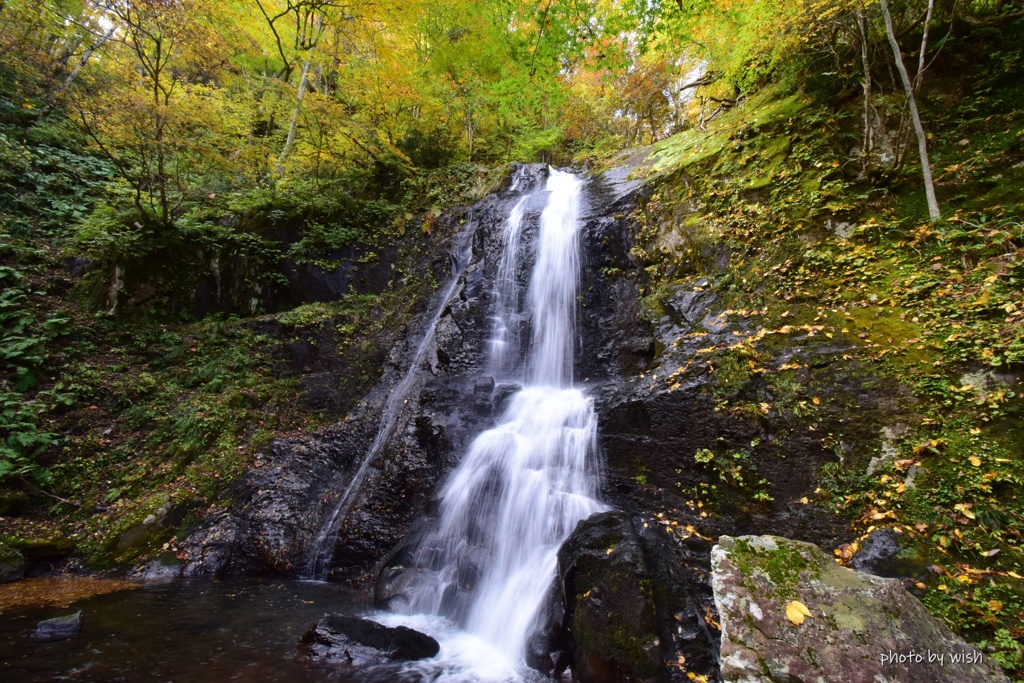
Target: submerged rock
358,642
861,629
59,628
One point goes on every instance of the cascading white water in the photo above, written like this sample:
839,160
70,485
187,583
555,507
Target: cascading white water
504,342
554,284
523,485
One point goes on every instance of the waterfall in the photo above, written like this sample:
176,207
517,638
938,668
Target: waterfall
504,342
523,485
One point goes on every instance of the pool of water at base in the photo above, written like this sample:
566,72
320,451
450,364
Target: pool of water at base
187,632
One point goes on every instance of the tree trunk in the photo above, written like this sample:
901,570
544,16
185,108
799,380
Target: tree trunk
862,24
100,42
915,117
290,140
924,46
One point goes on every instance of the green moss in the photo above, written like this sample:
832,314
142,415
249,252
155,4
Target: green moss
784,566
732,372
615,641
51,545
9,554
755,182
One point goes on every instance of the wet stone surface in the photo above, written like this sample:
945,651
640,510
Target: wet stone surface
359,642
59,628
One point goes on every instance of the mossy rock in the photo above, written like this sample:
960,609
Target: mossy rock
144,537
12,564
858,627
53,545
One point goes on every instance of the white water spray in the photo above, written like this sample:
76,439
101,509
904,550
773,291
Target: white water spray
523,485
504,342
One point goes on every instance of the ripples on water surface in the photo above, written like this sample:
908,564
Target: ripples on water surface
190,632
212,632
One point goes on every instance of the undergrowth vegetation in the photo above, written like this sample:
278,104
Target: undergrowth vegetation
107,420
805,251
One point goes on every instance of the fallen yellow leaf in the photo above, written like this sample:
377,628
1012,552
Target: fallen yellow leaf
975,460
796,611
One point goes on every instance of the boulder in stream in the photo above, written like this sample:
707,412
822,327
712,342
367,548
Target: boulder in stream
59,628
357,642
609,601
861,629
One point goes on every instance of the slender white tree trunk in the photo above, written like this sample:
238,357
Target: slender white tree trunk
915,117
924,46
290,140
862,23
73,74
85,57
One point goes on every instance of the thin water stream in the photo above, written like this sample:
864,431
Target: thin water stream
322,551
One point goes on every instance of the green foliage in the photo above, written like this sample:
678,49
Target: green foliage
54,186
736,470
22,357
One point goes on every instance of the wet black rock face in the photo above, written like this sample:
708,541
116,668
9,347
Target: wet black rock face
627,606
282,502
885,553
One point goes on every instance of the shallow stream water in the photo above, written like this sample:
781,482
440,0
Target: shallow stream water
189,632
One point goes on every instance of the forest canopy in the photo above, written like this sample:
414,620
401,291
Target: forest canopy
188,98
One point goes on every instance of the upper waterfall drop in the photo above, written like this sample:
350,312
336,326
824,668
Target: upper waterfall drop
554,284
523,485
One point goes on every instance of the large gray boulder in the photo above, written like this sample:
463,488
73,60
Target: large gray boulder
862,628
